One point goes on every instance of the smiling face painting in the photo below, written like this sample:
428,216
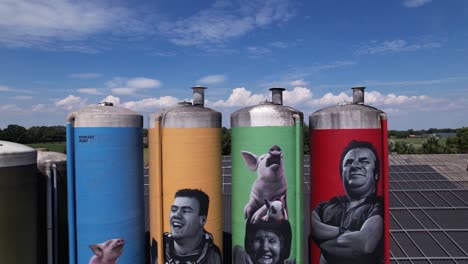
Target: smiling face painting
267,247
359,175
185,218
188,241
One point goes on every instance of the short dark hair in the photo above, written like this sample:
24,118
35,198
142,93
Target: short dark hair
282,229
360,144
199,195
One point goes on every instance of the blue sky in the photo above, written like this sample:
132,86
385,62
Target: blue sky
57,56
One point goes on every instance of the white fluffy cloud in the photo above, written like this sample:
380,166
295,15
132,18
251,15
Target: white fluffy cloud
71,102
212,79
112,99
240,97
147,104
299,83
296,96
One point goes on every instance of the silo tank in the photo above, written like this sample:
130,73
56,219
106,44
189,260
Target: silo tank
105,184
267,181
19,218
185,169
349,183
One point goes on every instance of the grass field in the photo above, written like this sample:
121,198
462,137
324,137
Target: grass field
55,146
417,142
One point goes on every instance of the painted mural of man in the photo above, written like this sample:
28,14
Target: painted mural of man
188,242
349,229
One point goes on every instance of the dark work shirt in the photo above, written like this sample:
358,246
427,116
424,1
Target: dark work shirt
206,253
335,213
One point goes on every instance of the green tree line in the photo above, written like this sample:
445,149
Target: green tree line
35,134
407,133
432,145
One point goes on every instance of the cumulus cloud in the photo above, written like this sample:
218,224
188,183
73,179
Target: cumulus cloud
84,75
43,23
89,91
212,79
298,83
330,99
395,46
226,20
112,99
241,97
147,104
415,3
385,101
71,102
296,96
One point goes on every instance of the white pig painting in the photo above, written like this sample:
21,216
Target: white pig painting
107,252
270,184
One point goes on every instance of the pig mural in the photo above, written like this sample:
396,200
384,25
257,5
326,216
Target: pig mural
276,211
268,234
270,184
107,252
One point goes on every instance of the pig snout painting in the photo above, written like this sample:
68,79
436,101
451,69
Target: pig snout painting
270,183
107,252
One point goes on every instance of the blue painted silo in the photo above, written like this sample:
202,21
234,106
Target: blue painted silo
105,187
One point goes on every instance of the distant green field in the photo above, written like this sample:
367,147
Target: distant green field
55,146
417,142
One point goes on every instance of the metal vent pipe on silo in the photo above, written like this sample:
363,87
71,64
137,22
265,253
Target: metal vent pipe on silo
185,158
53,166
267,184
349,183
105,185
19,218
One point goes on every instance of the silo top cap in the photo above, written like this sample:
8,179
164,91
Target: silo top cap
105,116
14,154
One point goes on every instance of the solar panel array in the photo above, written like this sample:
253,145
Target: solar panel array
428,207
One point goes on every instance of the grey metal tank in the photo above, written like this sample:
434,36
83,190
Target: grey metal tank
53,166
19,236
105,114
348,115
188,114
266,113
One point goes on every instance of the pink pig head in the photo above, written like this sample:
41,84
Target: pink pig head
107,252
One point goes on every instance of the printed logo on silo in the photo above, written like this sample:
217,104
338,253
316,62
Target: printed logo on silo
84,139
